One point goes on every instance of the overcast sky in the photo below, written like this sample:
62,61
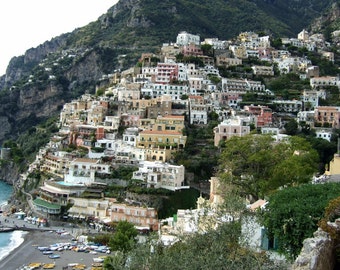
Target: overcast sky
25,24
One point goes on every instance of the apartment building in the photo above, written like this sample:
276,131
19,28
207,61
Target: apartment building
263,70
155,139
198,112
84,170
319,82
160,175
242,85
327,116
263,115
185,38
176,91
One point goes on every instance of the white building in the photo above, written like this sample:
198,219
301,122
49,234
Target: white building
324,134
161,175
83,171
325,81
184,38
154,90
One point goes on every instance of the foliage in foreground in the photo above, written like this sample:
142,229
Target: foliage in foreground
257,165
216,249
292,214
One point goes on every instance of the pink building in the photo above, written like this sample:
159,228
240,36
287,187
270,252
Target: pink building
263,114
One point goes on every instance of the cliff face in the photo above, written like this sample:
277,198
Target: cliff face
329,19
41,96
21,66
9,173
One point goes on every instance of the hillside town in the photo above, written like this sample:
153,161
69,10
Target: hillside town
138,118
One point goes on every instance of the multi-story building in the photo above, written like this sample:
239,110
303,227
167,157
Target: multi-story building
184,38
154,139
198,113
242,85
109,210
53,195
263,70
234,126
310,98
319,82
327,116
55,163
176,91
288,106
160,175
192,50
167,73
84,170
263,115
227,61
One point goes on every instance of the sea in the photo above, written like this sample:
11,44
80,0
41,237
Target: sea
8,240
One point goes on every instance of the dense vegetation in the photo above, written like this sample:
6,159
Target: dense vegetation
293,214
257,166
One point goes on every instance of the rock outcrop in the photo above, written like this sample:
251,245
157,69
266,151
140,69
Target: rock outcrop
317,253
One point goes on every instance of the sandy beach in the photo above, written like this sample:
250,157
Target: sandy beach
28,252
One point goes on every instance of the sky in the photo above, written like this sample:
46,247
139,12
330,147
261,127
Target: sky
26,24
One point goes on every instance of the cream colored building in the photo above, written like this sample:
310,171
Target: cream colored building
109,210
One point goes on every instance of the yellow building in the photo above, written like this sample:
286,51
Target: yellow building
155,139
334,166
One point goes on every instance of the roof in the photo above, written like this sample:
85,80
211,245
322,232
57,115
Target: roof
258,204
46,204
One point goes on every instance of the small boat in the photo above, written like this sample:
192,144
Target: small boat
98,260
80,267
34,265
54,256
48,265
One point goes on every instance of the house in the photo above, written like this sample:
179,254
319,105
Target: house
234,126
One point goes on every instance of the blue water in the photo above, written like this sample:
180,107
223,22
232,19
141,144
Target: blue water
11,240
5,192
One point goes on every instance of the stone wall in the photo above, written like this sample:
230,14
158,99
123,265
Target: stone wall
317,253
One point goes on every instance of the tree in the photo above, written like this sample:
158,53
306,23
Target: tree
124,236
215,249
257,165
292,214
291,127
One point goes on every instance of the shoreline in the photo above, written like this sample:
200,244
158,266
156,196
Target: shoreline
27,252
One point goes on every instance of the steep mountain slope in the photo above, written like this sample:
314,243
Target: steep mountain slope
37,84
